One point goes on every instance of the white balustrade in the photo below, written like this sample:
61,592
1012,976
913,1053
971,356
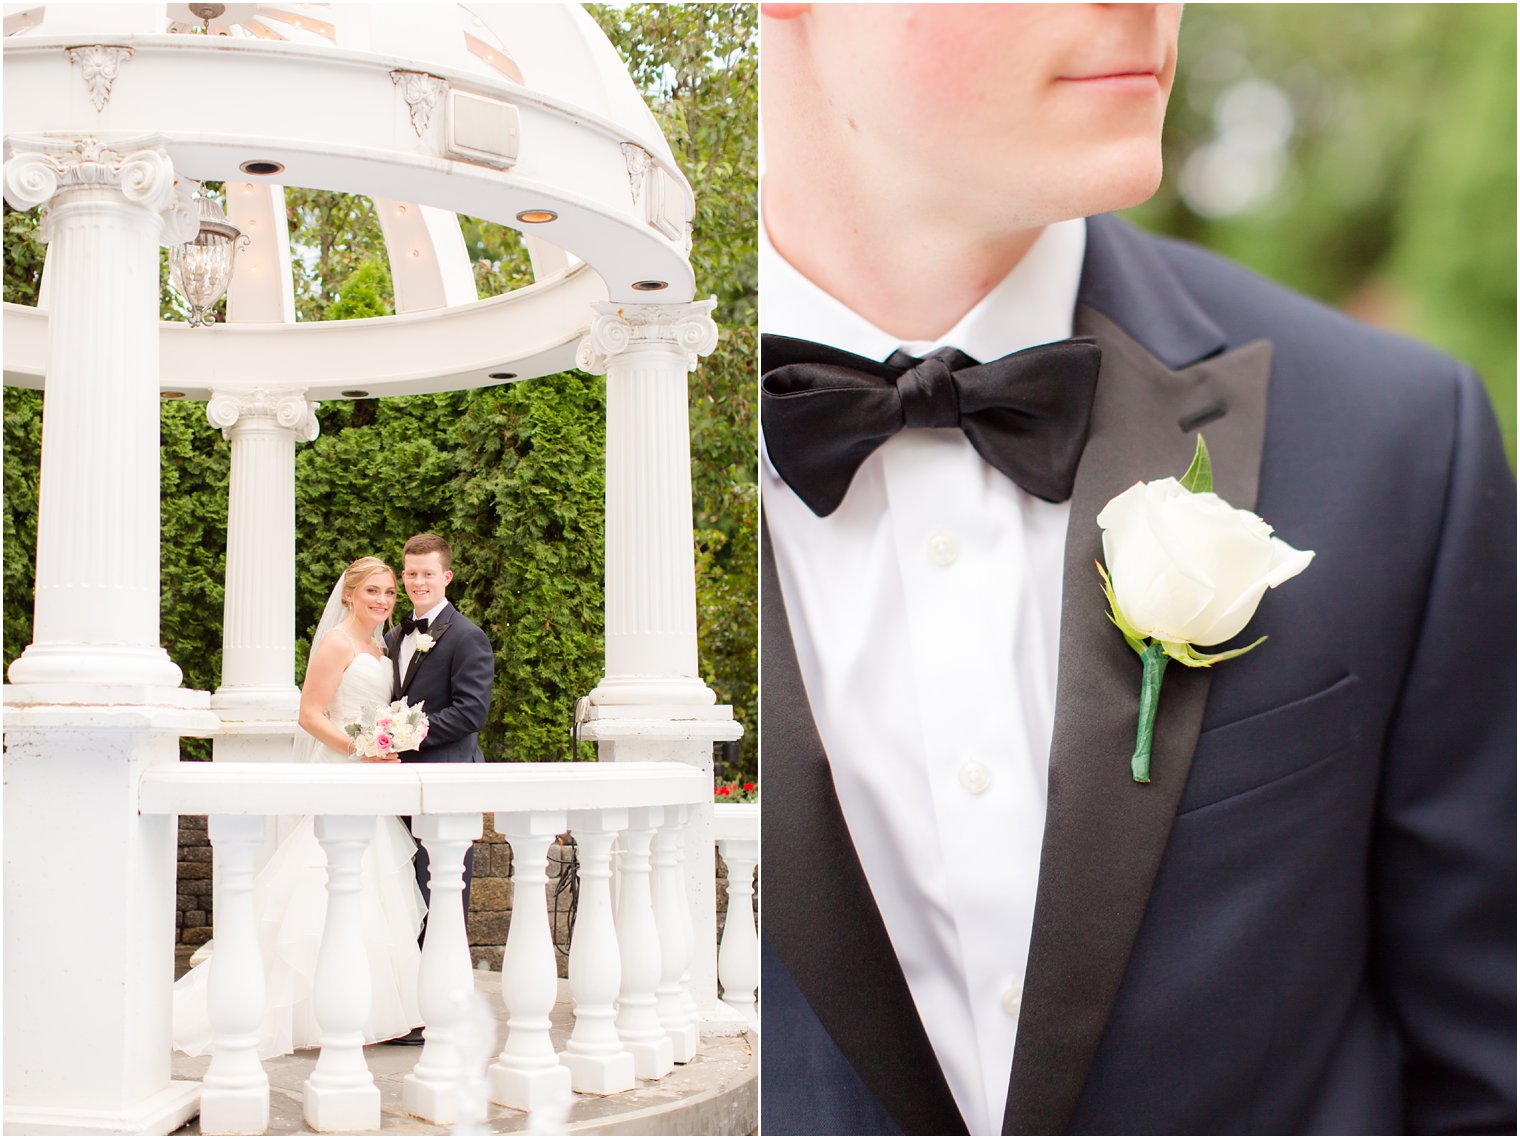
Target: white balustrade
340,1094
235,1091
598,1061
632,1016
672,919
430,1090
528,1075
638,1019
738,834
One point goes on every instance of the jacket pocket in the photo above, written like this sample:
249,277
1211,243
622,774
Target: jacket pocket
1267,746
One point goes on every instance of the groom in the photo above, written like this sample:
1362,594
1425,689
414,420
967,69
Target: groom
974,918
442,661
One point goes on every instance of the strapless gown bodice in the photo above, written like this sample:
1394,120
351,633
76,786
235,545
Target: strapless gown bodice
365,686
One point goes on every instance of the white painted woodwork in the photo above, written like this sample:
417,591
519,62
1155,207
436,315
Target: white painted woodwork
235,1089
97,595
527,1074
638,1018
651,608
430,1091
340,1094
599,1063
672,920
739,951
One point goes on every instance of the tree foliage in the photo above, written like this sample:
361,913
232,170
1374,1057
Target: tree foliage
1394,194
511,475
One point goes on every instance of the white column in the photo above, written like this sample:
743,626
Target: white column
340,1094
528,1075
739,953
97,592
651,611
673,919
430,1090
259,613
638,1019
235,1091
598,1062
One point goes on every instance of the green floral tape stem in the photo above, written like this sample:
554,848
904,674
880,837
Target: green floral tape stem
1152,666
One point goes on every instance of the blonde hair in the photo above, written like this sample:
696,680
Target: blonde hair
359,572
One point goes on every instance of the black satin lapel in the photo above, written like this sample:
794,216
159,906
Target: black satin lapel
393,650
1104,833
817,908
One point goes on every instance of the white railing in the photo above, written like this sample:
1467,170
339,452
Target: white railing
629,966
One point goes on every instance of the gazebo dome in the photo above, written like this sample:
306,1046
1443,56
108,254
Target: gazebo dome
506,113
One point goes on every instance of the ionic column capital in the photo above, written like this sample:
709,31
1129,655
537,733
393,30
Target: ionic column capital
284,407
39,169
618,328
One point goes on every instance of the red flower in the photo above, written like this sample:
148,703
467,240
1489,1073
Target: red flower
724,791
749,786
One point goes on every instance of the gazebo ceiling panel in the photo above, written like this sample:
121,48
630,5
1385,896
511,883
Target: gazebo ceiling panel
532,332
261,290
430,266
344,124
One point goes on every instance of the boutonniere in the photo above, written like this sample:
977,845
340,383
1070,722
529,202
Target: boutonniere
423,642
1185,568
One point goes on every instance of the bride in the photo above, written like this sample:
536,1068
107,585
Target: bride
346,671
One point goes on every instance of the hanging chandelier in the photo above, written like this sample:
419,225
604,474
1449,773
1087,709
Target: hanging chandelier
201,268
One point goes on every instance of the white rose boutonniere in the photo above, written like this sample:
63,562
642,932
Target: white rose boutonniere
1185,568
423,642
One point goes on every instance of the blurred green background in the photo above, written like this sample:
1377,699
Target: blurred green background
1363,154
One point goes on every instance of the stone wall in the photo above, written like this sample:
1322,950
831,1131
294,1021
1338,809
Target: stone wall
490,893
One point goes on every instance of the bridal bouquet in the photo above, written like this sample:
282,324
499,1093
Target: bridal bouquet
396,726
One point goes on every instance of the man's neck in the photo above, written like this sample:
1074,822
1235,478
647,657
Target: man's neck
914,278
432,610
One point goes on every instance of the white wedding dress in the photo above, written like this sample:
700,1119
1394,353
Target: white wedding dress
290,906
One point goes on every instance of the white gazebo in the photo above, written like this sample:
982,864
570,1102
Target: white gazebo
517,114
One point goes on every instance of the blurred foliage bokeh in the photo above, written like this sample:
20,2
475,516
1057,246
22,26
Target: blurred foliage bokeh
1363,154
513,474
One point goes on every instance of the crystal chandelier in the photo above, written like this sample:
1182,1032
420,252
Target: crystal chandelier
201,268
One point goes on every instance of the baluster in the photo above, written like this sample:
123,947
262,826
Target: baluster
235,1090
340,1094
638,1020
739,951
683,844
672,918
447,977
528,1075
598,1062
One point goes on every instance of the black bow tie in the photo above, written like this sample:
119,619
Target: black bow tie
409,623
824,411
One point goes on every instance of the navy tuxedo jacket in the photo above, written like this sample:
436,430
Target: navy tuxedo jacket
452,680
1306,923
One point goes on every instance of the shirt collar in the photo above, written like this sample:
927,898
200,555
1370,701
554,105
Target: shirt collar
432,614
1034,304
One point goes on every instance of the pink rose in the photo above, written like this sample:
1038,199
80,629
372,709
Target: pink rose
385,724
383,742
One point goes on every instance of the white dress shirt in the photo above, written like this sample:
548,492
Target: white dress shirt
926,612
408,644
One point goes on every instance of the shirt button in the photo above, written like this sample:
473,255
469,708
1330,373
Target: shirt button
1013,999
943,548
975,776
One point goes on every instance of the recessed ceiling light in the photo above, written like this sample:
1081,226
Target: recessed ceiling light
536,217
651,286
504,375
171,395
261,166
356,395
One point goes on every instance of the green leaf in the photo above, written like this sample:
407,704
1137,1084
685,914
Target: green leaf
1200,475
1186,654
1133,636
